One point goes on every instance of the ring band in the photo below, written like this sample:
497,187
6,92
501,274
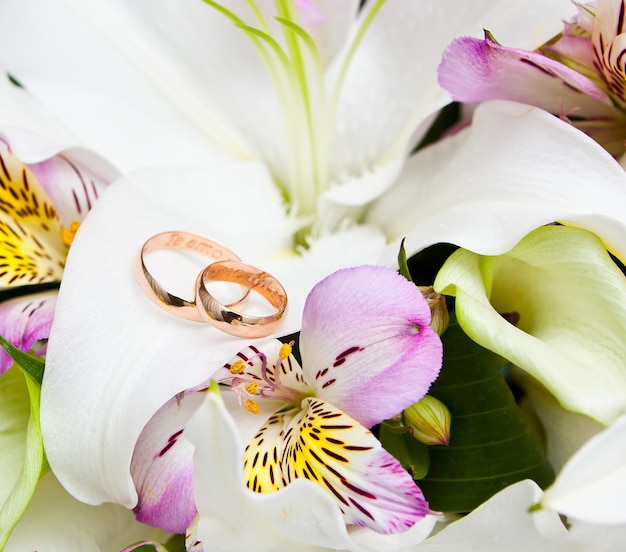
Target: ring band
189,242
232,322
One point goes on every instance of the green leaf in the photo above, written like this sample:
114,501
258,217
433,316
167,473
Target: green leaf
491,445
21,447
32,365
402,262
412,454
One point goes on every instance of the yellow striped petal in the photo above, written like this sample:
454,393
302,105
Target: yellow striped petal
262,458
326,446
31,248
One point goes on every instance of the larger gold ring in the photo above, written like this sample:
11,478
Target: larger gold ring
188,242
233,322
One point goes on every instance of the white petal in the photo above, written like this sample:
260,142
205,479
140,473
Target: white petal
331,32
596,537
391,85
55,521
110,89
502,523
592,485
514,169
102,388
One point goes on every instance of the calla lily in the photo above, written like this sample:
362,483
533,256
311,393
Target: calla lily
578,76
22,448
569,296
138,347
365,334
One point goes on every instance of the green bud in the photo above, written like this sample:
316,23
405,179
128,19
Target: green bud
429,421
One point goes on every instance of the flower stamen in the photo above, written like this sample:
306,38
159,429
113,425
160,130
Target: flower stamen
251,406
238,367
68,234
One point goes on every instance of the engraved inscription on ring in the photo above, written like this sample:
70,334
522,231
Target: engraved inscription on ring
260,280
204,247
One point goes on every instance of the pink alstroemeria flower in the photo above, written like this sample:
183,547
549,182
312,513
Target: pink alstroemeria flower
578,76
367,353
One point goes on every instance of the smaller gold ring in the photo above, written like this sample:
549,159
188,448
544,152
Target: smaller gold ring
188,242
233,322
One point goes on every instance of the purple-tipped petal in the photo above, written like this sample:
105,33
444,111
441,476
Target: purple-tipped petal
162,467
475,71
72,186
366,343
24,321
327,446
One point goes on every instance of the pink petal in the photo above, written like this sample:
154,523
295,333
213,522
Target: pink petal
366,344
474,71
162,467
72,186
24,321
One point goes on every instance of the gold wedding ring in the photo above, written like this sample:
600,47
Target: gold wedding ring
225,266
233,322
188,242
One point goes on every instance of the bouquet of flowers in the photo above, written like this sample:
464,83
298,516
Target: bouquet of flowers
312,275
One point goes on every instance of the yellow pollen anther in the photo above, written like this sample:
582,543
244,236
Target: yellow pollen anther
251,406
67,234
285,351
252,388
237,367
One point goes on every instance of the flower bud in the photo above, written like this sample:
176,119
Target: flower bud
438,309
429,421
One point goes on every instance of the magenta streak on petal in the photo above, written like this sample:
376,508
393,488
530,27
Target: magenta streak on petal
371,326
162,467
72,188
474,71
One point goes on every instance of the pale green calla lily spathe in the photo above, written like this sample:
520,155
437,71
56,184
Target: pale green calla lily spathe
21,447
569,296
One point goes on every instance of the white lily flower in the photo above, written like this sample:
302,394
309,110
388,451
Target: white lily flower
258,79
